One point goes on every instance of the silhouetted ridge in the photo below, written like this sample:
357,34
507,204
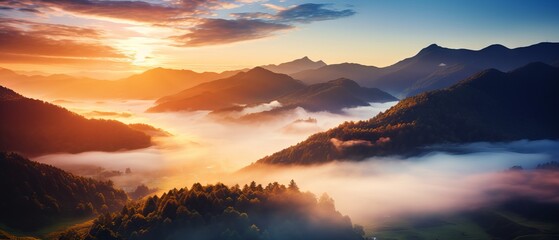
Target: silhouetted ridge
430,49
495,48
7,94
35,127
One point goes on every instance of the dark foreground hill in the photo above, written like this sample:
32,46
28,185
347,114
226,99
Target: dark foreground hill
489,106
35,195
221,212
32,126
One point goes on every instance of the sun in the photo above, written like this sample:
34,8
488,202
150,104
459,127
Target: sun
140,58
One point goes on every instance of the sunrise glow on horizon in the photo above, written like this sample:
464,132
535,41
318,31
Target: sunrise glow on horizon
109,39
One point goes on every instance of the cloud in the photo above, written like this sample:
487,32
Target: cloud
140,11
274,7
47,29
341,145
259,24
440,182
311,12
189,17
221,31
24,41
253,15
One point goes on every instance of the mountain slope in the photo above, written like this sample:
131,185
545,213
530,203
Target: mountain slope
221,212
36,195
435,67
489,106
150,84
294,66
35,127
360,73
335,95
253,87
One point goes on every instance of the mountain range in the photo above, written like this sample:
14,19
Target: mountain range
35,127
434,67
252,87
151,84
488,106
260,86
295,66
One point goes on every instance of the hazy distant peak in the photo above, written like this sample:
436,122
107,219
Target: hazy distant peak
159,70
534,67
346,82
5,71
297,65
259,71
495,47
304,59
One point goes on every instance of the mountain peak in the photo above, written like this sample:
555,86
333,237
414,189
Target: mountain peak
297,65
431,48
259,71
303,60
495,47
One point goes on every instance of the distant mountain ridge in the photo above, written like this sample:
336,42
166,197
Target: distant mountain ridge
35,127
295,66
335,95
488,106
150,84
256,86
260,86
435,67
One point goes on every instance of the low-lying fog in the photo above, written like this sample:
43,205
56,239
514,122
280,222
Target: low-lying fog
450,178
202,149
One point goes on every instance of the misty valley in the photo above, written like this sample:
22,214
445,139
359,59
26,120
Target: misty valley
449,143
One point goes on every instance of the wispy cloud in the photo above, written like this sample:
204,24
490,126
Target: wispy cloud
254,25
311,12
195,19
27,41
220,31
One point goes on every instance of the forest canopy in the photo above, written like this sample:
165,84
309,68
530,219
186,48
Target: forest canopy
221,212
